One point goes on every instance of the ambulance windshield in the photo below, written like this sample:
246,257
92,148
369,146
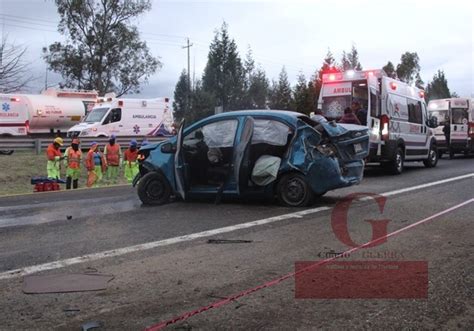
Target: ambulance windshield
96,115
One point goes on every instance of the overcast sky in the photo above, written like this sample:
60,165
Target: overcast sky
293,33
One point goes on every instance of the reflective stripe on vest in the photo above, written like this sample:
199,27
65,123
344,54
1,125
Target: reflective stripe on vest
113,157
74,158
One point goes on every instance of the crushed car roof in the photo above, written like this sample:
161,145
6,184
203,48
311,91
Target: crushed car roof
289,116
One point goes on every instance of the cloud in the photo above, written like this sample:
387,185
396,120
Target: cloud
296,34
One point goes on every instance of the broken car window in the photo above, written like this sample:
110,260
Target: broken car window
270,132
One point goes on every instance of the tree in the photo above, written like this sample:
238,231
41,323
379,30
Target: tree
224,73
202,104
350,61
181,93
438,87
13,68
389,69
301,95
103,49
258,90
312,97
281,97
329,65
408,70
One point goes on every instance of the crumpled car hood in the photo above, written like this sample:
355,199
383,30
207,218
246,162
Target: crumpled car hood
338,129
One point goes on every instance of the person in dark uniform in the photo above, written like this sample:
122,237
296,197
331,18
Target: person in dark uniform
349,117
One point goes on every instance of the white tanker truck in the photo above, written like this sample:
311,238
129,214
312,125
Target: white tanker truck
52,112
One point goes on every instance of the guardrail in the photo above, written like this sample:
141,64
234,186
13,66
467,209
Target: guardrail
40,144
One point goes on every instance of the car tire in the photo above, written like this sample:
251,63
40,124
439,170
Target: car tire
432,159
395,167
294,191
154,189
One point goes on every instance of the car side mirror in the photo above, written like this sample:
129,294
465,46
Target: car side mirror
432,122
168,148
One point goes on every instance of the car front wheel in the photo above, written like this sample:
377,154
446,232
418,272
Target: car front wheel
294,191
154,189
432,159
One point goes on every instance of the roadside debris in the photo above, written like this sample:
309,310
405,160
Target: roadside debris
69,217
91,325
64,283
228,241
6,152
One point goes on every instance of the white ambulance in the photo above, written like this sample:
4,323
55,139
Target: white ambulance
398,122
456,122
51,112
126,117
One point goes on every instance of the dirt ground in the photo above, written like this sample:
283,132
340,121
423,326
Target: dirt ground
18,168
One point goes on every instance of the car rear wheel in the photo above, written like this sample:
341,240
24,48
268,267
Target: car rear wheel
395,167
432,159
154,189
294,191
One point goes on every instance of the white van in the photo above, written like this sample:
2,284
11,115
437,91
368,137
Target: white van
398,122
126,117
458,113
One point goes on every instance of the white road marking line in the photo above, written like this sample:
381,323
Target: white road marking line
166,242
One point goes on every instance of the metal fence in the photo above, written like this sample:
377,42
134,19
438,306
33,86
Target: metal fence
40,144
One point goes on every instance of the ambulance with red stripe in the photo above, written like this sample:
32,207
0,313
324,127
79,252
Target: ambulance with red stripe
126,117
51,112
458,114
399,125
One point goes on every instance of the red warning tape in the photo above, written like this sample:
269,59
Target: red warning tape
276,281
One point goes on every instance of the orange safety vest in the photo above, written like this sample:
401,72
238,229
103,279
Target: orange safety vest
130,156
90,165
52,152
74,158
113,154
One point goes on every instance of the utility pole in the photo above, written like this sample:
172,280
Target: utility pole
188,103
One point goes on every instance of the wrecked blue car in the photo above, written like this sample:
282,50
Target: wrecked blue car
281,154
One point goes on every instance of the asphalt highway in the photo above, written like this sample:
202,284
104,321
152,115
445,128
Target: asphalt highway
164,265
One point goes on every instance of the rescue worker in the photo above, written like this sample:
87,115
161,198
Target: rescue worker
54,158
113,158
130,161
349,117
95,164
447,136
72,161
360,112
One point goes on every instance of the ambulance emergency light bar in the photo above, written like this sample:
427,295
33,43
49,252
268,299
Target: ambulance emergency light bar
352,75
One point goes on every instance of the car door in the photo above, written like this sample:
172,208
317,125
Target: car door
373,113
241,155
459,124
179,166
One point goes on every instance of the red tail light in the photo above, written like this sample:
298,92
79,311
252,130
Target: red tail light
384,125
471,129
393,86
15,99
27,125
